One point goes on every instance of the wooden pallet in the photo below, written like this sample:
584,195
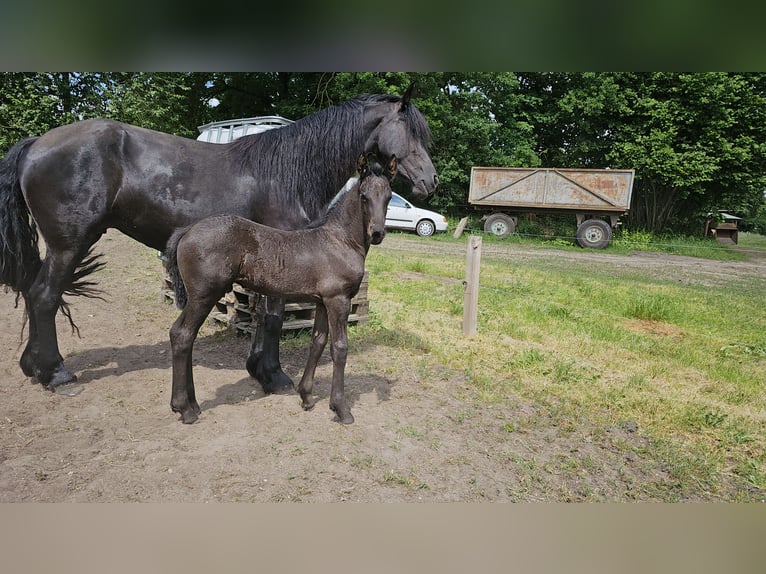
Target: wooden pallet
237,309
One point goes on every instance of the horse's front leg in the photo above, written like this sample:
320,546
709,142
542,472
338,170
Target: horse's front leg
263,359
318,342
337,315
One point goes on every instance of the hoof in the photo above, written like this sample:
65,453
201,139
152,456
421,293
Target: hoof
345,417
308,403
273,382
280,385
188,416
60,376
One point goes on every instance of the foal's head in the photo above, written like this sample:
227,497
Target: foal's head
375,193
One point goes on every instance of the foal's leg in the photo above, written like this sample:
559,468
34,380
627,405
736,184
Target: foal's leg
318,342
263,359
182,335
337,314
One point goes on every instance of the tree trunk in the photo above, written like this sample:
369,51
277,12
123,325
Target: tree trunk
654,206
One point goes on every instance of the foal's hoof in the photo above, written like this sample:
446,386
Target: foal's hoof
188,414
308,403
189,417
344,415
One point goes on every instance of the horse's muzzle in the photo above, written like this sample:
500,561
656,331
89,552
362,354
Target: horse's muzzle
377,236
424,188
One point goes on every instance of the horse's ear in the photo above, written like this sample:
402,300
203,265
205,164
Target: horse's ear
361,163
408,95
392,165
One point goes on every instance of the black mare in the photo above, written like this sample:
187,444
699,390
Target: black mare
78,180
323,264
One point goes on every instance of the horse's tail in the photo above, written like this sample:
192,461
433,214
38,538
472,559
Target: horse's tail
19,253
171,265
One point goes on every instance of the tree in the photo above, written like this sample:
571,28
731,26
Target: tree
157,101
696,141
33,103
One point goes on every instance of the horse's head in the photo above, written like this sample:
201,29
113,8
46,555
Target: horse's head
375,193
402,131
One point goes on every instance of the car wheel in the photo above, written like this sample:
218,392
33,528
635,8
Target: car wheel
425,228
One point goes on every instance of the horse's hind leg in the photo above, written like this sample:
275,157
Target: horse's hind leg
41,358
263,359
28,357
318,342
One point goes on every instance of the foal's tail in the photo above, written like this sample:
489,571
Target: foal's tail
19,253
171,265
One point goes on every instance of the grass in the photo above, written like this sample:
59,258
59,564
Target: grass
685,362
562,236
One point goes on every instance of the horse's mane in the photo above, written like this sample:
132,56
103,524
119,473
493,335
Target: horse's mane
322,147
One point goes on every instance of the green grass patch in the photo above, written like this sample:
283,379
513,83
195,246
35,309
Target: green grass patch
686,362
560,233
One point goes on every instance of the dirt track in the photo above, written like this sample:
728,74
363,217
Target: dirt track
413,440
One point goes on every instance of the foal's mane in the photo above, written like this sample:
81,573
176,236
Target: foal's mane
322,147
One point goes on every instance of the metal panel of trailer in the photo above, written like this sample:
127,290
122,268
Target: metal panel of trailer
607,190
594,195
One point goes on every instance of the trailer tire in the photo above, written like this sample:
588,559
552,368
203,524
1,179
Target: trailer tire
500,225
594,233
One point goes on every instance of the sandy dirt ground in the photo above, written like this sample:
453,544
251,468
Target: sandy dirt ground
413,439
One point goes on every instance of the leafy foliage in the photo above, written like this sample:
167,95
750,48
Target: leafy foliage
696,140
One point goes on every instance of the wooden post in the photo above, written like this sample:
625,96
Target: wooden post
471,299
460,227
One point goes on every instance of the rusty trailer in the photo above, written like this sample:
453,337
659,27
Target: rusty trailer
598,198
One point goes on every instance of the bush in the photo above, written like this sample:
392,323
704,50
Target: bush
633,239
756,224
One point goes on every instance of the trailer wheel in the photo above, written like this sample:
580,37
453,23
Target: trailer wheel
500,225
594,233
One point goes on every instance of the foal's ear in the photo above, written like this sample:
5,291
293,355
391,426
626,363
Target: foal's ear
392,165
361,163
